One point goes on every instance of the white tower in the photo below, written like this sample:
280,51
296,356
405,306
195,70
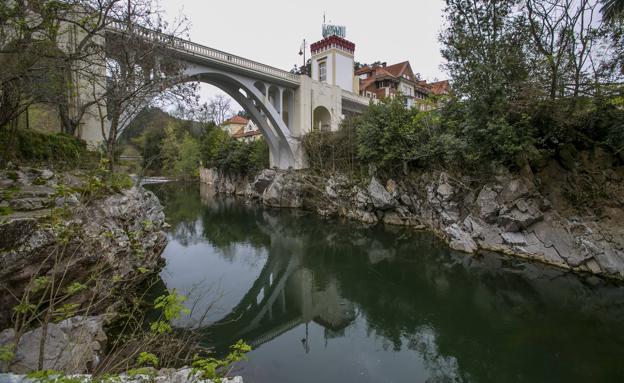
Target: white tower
332,59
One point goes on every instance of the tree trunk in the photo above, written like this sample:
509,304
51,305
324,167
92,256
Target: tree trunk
68,124
111,142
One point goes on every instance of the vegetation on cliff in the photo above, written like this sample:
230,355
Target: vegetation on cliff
531,81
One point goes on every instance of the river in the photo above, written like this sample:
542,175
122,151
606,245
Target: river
328,300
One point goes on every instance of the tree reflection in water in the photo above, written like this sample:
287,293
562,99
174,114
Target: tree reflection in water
392,293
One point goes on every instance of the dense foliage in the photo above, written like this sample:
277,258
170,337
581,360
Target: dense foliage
219,150
531,80
35,147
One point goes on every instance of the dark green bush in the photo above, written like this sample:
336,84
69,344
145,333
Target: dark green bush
36,147
220,151
393,138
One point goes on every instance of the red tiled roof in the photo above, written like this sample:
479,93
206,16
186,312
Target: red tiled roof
440,87
397,70
237,120
362,70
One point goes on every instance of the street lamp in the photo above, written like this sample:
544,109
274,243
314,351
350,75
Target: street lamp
302,52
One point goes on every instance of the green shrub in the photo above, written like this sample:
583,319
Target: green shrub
32,146
220,151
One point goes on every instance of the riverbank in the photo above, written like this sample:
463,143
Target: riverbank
528,214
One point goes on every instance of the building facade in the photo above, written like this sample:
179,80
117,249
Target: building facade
333,63
379,81
242,129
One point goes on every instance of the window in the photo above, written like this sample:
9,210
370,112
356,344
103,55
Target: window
322,71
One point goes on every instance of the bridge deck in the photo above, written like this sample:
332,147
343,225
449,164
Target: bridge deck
201,51
229,60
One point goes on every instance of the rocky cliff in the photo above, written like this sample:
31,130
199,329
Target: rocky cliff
62,236
521,214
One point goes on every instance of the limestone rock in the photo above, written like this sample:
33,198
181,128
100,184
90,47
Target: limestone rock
46,174
522,215
362,199
515,239
393,218
101,236
488,206
284,191
72,346
183,375
392,188
380,197
460,240
514,189
263,180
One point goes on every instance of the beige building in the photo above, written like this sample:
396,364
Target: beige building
234,124
242,129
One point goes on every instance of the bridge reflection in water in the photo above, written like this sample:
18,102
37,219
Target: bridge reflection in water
394,304
283,296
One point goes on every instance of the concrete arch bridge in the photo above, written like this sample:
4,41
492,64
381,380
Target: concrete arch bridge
285,106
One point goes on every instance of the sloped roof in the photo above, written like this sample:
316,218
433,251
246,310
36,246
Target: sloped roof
440,87
241,133
237,120
397,70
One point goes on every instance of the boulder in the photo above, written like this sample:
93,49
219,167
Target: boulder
362,199
514,189
46,174
515,239
460,240
488,206
380,197
392,188
393,218
522,215
263,180
284,191
336,186
72,346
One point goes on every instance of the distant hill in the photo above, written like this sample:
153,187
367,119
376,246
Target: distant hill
156,119
143,138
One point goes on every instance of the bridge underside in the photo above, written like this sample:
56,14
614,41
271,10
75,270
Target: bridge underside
270,109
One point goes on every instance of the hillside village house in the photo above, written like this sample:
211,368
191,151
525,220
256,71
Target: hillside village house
380,81
242,129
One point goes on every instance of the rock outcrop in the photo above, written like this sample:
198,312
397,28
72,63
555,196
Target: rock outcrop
73,346
507,214
107,244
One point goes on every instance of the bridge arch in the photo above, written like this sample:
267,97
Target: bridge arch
264,112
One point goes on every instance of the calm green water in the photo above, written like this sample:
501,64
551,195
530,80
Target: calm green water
325,300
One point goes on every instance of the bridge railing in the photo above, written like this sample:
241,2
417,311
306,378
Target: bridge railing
186,46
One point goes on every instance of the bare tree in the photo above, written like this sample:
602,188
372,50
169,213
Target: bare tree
140,70
550,26
219,108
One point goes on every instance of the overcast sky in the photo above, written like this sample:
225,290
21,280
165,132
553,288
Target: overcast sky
271,31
